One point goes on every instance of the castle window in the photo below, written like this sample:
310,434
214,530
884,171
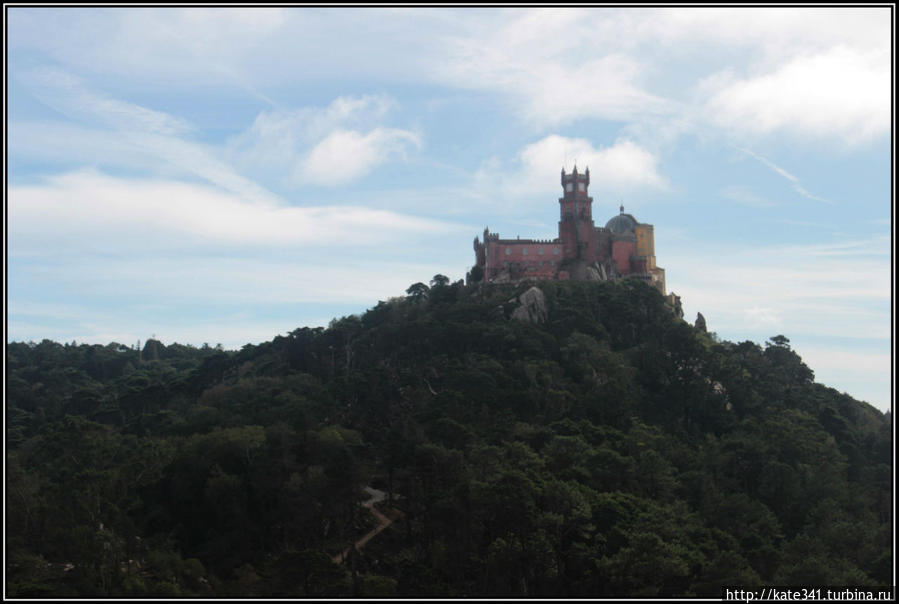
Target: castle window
540,251
508,251
568,186
556,251
581,186
524,251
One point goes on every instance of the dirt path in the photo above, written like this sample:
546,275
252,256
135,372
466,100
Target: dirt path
375,496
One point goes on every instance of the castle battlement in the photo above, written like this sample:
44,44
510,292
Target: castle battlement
518,241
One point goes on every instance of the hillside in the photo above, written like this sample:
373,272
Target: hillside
599,447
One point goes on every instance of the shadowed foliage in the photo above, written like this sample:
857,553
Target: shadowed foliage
611,451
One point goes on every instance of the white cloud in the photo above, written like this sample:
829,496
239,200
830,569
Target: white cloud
555,66
624,166
91,210
329,146
841,93
278,130
345,155
773,32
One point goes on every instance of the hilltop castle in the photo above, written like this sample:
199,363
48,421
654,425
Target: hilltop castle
582,251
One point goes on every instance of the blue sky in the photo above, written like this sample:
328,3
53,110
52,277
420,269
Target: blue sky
226,175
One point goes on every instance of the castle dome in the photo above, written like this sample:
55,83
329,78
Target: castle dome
621,224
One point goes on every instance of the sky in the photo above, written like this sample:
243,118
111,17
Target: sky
226,175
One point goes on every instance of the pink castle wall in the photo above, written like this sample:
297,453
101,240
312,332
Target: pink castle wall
621,254
526,254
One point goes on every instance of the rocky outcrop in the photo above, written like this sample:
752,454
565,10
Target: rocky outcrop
503,277
597,271
700,323
532,306
593,274
674,303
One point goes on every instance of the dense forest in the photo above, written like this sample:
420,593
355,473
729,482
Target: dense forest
605,448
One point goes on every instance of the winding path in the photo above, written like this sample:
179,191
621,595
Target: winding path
375,496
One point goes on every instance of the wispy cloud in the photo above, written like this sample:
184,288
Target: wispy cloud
92,210
744,196
150,132
197,298
793,180
838,289
69,95
802,191
864,374
770,164
547,66
874,247
172,46
326,146
174,281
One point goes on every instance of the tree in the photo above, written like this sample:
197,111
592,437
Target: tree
779,341
612,451
418,291
476,273
439,281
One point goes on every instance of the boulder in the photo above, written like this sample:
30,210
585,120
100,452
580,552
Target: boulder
532,306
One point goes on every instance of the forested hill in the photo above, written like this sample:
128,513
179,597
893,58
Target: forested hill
604,448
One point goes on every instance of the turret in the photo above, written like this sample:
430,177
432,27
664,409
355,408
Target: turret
576,215
575,184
